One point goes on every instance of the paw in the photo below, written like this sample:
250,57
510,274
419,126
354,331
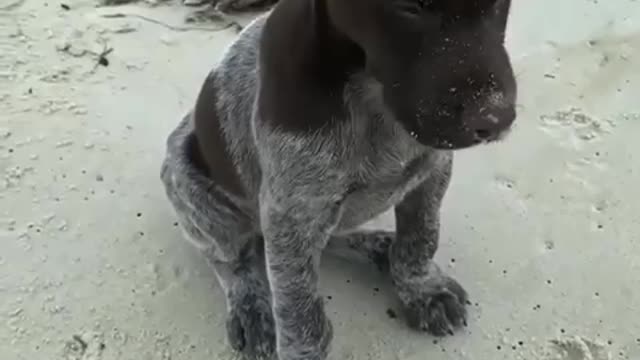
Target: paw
251,329
439,309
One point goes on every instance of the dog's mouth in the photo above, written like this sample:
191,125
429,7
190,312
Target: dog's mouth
468,140
485,137
502,135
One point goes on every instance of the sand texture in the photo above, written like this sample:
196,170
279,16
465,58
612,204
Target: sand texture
543,229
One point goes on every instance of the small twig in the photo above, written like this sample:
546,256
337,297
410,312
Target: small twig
101,58
67,50
169,26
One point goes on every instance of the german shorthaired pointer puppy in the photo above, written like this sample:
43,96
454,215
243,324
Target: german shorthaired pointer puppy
320,116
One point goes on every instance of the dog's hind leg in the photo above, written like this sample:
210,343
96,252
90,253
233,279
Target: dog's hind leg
250,325
222,228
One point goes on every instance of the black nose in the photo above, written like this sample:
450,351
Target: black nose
489,124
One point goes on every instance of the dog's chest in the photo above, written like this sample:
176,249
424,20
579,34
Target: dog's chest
382,161
369,199
389,166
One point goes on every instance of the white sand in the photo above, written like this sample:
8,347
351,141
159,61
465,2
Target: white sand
544,228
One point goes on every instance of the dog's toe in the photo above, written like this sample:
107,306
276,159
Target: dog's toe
439,313
251,329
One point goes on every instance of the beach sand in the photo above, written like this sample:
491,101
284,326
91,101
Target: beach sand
543,229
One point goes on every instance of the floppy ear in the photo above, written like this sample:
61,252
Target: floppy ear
502,9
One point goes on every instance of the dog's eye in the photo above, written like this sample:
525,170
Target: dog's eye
414,7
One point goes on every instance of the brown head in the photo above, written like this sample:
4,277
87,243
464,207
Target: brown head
445,71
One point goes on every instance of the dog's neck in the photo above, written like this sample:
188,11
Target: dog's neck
305,59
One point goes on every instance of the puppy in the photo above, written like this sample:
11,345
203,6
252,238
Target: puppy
320,116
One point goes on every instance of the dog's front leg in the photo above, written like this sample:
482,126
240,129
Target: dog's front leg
433,301
296,228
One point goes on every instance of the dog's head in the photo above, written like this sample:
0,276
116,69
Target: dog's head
445,71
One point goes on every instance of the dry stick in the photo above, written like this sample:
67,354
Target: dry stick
169,26
67,50
100,57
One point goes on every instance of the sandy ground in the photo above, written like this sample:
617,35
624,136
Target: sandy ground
542,229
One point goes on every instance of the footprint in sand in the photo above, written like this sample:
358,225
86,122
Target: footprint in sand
576,348
574,129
